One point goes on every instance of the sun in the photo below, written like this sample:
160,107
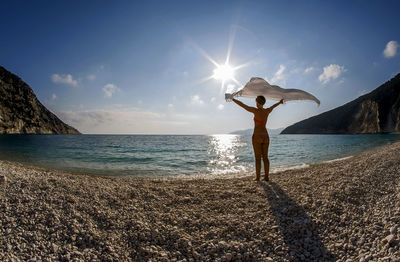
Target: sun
224,72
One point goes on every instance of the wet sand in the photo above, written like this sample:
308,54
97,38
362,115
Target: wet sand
346,210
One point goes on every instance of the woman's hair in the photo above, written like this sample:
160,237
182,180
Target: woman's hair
260,100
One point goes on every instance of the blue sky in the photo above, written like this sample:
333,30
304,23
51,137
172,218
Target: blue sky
127,67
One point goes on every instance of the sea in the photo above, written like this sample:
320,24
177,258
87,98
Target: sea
180,156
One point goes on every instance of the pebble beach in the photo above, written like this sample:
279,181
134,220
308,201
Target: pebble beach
345,210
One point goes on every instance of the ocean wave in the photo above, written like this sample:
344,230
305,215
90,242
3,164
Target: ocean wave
284,168
337,159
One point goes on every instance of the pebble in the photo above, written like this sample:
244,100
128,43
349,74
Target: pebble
55,248
343,210
389,239
393,230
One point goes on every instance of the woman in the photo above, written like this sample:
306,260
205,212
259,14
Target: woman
260,137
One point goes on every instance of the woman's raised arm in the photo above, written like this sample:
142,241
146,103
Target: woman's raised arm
275,105
246,107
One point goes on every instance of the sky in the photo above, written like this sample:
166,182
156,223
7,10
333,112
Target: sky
143,67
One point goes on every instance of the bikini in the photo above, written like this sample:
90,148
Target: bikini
262,136
260,121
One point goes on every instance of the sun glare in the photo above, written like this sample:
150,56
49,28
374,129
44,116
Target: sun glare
223,72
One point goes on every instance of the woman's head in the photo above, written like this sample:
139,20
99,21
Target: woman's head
260,100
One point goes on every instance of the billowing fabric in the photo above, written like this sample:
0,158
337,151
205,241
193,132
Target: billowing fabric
259,87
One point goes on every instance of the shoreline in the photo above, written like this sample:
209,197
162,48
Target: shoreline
335,211
247,174
273,170
102,161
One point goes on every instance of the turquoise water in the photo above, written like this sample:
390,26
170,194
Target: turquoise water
175,155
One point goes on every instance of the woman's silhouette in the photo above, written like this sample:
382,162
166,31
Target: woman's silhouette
260,137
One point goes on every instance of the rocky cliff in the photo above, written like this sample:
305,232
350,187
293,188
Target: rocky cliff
22,113
376,112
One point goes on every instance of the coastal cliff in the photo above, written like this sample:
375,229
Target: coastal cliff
375,112
22,113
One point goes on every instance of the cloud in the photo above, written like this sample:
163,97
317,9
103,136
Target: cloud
122,121
100,121
331,72
96,117
53,97
391,49
279,75
220,106
212,99
296,70
91,77
170,105
64,79
195,100
109,90
309,69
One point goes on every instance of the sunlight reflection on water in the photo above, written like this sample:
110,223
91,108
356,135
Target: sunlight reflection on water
223,154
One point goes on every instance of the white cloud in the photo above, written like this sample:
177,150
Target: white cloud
122,121
279,76
91,77
109,90
296,70
309,69
331,72
230,88
98,121
64,79
170,105
220,106
213,99
391,49
195,100
53,97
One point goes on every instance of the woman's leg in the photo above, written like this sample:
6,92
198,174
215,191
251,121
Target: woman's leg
257,156
264,149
